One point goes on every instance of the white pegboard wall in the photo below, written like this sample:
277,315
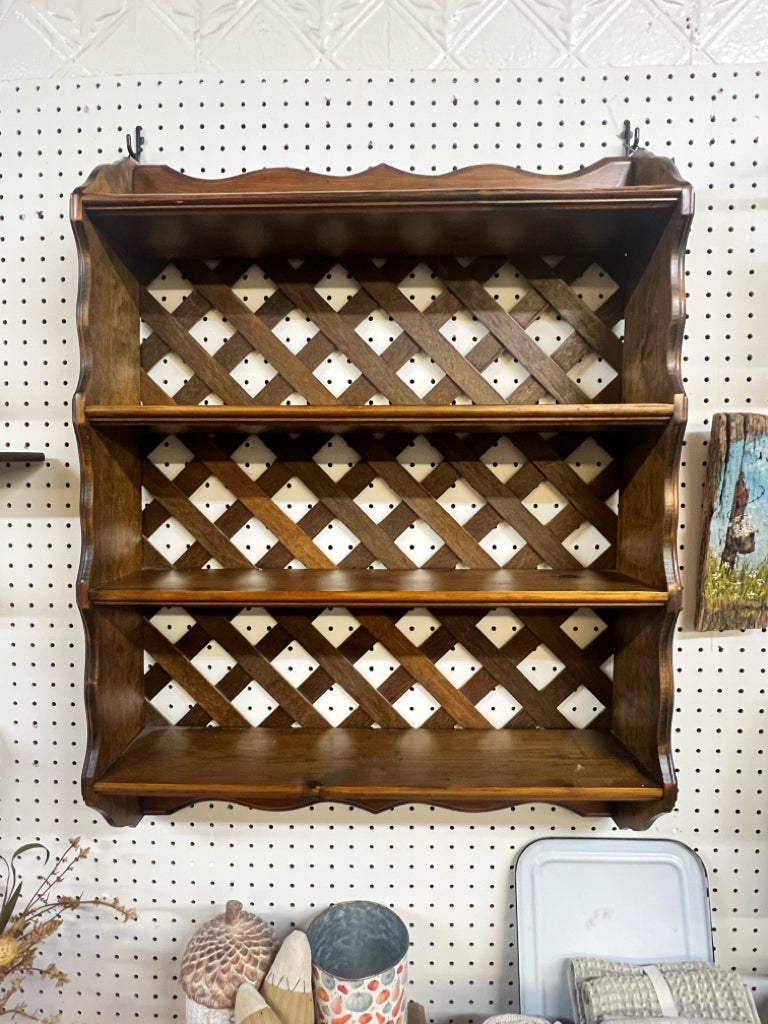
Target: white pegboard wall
448,874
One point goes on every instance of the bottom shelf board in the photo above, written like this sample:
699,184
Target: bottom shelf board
465,769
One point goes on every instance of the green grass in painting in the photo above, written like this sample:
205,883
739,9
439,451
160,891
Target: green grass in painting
725,588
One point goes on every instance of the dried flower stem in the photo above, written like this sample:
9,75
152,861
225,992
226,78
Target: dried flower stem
40,918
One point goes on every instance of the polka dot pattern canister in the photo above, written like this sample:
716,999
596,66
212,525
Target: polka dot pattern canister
359,964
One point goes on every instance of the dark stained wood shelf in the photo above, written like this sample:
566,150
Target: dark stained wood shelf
354,588
294,767
500,352
421,419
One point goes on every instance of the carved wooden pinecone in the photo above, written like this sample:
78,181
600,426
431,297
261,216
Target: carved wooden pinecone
223,953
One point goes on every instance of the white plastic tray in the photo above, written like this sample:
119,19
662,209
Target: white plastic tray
642,900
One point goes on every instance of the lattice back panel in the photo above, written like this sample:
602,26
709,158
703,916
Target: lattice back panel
448,874
404,331
418,669
395,501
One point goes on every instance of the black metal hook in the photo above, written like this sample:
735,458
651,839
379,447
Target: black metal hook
630,139
135,154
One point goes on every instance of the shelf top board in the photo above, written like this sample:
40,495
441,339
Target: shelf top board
156,212
378,768
402,588
424,418
234,228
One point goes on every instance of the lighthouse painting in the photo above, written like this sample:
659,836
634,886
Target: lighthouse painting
733,570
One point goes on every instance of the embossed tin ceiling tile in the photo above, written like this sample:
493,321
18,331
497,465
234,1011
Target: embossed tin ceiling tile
144,38
27,48
384,30
239,36
741,37
509,38
635,34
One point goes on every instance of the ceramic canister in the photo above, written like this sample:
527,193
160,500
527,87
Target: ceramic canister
359,952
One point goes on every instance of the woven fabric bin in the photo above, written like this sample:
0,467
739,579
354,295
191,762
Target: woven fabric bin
604,991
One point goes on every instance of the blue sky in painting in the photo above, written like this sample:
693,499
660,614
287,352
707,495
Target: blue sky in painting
751,456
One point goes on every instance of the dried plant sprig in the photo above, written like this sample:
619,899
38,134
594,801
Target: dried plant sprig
22,931
12,886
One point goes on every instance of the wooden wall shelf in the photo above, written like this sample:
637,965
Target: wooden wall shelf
370,425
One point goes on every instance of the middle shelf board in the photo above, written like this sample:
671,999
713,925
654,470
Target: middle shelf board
355,588
257,419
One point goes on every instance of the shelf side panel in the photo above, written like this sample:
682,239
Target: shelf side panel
110,506
108,318
107,321
115,705
655,311
644,694
649,507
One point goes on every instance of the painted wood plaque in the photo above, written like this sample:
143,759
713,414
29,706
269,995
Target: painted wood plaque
733,569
